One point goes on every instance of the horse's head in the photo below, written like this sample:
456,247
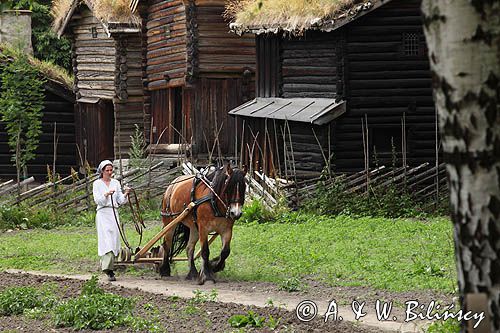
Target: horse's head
234,188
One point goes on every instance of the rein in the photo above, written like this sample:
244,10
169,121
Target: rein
120,227
136,218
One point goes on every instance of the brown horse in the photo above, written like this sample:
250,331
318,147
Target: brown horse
218,199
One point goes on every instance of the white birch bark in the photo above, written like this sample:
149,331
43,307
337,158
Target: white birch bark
463,38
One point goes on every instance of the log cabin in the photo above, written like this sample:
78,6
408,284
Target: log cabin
107,64
333,89
58,119
195,72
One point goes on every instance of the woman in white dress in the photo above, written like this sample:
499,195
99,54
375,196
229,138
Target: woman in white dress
106,189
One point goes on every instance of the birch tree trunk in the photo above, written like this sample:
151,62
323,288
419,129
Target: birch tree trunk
463,38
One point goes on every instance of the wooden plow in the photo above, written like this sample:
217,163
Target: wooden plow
154,255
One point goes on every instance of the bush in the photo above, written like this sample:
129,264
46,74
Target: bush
256,212
16,300
12,217
21,217
94,309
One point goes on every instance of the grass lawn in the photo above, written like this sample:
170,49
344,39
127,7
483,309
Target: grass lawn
392,254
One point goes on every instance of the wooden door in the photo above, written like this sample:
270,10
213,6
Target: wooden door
95,131
166,115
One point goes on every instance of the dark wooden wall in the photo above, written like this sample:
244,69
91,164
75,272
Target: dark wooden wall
292,67
383,83
268,72
308,65
57,109
378,64
166,43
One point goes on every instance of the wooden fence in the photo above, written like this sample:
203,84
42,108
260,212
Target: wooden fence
424,183
74,193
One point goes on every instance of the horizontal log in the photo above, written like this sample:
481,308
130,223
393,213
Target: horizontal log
230,59
162,4
389,64
51,108
225,49
390,74
308,71
106,94
161,17
308,95
307,87
165,51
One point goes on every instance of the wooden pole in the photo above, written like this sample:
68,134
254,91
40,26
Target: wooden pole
120,153
277,147
55,152
242,143
165,229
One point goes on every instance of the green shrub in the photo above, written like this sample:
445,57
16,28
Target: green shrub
94,309
250,319
21,217
17,300
256,212
12,217
43,218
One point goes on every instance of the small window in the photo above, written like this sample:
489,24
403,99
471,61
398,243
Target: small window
411,43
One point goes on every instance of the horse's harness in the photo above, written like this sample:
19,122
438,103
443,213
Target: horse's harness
212,198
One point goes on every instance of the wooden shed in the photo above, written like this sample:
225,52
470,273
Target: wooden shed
195,72
369,60
58,115
107,63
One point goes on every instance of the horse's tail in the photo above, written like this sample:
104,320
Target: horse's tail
179,241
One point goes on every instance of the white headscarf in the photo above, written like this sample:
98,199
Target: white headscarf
101,166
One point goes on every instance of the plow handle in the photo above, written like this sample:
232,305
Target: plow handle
164,231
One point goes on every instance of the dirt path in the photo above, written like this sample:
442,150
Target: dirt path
261,295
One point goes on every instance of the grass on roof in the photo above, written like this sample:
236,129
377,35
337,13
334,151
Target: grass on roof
105,10
48,69
291,15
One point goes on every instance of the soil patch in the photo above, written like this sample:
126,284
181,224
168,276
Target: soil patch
175,314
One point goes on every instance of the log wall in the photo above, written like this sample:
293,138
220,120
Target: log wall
59,110
166,44
308,65
221,53
129,100
383,82
94,58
